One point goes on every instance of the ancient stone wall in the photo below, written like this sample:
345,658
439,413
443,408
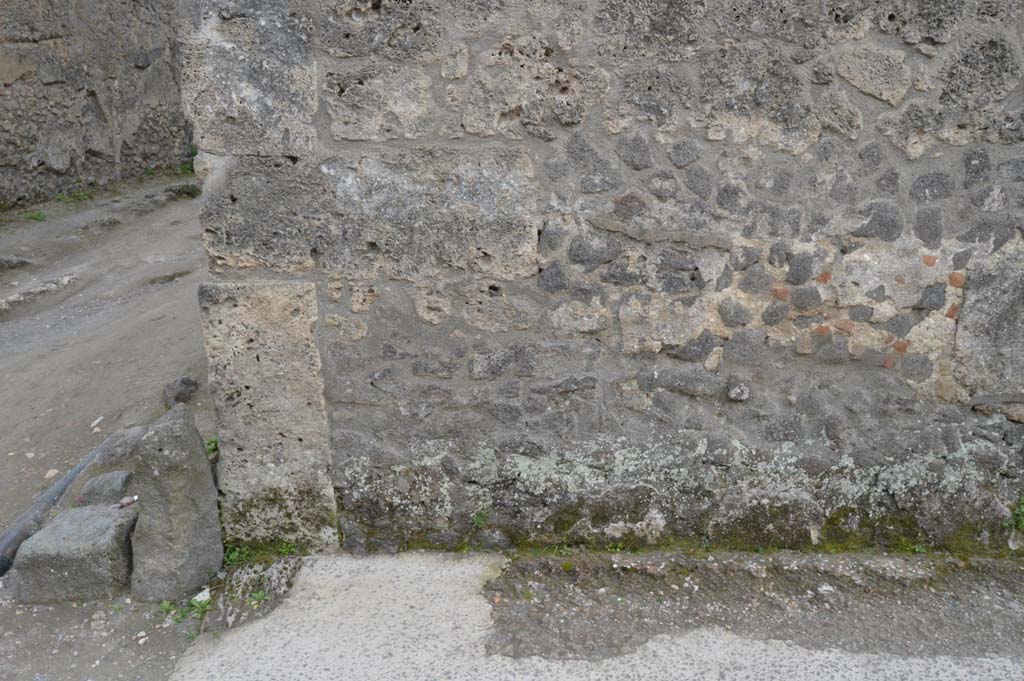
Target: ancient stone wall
615,271
89,93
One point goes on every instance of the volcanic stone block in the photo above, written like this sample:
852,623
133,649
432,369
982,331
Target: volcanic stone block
115,454
108,488
177,544
272,427
83,554
377,103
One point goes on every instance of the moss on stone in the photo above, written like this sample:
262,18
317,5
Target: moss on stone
565,518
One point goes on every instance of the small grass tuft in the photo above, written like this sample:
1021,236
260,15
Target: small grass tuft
237,555
1016,521
212,445
256,598
198,609
283,548
480,520
77,195
34,215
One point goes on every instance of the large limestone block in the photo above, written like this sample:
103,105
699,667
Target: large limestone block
990,336
265,376
177,544
82,554
249,81
404,214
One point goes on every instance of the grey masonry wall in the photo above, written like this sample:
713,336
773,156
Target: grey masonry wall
615,271
89,93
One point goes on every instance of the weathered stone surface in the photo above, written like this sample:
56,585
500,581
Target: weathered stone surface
89,94
989,350
117,453
778,112
107,488
273,470
368,214
177,544
377,103
624,269
83,554
180,390
250,85
876,71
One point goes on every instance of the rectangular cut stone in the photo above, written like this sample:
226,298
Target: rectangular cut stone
404,214
990,338
378,102
249,81
82,554
265,376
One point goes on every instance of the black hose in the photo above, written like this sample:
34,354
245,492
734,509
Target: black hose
29,522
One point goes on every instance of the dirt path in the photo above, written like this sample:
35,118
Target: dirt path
101,317
99,320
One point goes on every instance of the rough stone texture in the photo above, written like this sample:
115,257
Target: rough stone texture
89,93
274,465
619,270
107,488
83,554
177,543
116,454
180,390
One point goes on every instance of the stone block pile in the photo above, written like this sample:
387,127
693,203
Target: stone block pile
143,516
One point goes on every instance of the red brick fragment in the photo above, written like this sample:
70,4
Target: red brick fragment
956,279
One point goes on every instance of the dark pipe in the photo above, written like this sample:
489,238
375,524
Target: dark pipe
32,519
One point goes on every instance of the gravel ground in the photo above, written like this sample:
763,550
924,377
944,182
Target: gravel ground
102,641
591,606
103,343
